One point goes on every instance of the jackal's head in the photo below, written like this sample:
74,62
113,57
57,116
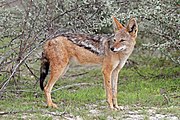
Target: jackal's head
124,37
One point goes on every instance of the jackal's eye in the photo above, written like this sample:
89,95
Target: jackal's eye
114,39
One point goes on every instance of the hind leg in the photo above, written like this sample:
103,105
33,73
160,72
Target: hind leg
56,72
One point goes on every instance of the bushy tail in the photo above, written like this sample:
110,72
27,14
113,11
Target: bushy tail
43,70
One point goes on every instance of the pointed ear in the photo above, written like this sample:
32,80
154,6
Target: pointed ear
132,27
116,24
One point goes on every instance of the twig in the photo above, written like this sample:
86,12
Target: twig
73,85
74,75
28,91
31,71
11,112
138,72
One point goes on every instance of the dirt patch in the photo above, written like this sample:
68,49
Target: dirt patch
94,112
135,113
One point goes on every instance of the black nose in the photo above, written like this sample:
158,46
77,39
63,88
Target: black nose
112,49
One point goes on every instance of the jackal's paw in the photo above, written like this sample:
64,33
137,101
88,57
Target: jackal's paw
53,105
116,107
111,107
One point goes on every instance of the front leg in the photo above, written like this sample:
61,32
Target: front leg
114,87
107,72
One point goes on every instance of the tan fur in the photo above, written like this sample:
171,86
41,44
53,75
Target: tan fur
59,52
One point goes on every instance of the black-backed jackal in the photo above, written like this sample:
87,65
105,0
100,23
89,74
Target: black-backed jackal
110,52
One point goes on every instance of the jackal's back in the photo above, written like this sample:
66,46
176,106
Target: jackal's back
93,43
